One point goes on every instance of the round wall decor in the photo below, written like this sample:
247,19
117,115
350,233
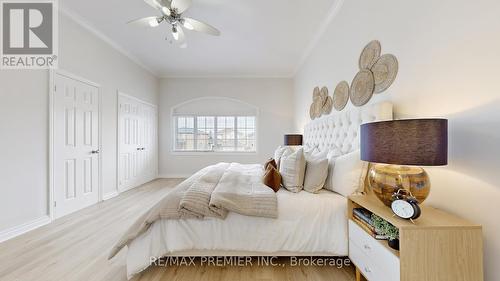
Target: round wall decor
311,111
341,95
316,93
362,87
318,108
317,104
327,101
324,92
370,54
385,71
327,107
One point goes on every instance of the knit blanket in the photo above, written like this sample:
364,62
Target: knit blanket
211,192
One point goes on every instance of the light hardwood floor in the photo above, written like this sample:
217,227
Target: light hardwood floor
75,247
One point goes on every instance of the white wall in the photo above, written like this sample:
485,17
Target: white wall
448,55
273,97
24,118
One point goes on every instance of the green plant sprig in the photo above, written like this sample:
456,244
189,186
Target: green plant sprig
383,227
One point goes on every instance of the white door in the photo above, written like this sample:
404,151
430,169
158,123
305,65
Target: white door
136,141
149,143
128,141
76,145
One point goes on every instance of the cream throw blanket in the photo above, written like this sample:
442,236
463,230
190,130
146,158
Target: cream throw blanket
211,192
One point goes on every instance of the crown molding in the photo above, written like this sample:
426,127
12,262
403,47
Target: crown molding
85,24
332,13
222,76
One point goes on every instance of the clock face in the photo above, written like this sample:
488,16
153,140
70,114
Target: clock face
402,209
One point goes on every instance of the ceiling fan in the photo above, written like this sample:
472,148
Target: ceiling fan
171,12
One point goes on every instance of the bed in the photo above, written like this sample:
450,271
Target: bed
307,224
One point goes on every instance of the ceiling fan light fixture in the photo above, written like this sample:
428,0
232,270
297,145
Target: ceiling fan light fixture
165,11
175,34
172,14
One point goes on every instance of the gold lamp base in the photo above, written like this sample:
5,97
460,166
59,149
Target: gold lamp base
385,180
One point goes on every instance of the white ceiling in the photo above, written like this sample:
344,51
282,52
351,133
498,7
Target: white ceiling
261,38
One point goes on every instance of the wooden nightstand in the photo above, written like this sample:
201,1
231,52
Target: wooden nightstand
438,247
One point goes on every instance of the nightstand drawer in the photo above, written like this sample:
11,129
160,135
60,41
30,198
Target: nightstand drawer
378,256
366,265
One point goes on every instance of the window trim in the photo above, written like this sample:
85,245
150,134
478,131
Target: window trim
175,151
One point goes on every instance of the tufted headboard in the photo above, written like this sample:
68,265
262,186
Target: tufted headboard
339,131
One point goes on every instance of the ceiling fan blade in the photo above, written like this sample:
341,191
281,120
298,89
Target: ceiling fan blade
199,26
153,3
145,22
162,5
180,5
165,3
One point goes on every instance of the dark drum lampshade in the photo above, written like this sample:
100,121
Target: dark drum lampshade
293,139
419,142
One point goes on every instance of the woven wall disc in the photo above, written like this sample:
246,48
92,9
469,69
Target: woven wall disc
324,92
318,107
341,95
385,71
369,55
362,87
328,105
316,93
311,111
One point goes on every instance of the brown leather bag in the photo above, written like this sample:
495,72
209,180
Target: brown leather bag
272,178
271,162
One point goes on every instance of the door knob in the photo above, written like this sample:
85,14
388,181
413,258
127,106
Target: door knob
95,151
138,148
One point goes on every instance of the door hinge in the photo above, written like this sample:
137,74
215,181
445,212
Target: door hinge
55,88
55,204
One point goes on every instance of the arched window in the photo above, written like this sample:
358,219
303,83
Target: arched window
215,124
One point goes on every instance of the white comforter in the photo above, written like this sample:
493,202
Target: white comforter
307,224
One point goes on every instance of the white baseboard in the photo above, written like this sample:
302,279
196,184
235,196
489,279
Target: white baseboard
23,228
173,176
109,195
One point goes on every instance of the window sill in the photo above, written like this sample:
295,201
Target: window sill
209,153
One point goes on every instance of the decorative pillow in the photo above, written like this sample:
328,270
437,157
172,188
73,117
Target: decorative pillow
292,168
314,154
348,174
280,151
272,178
316,173
270,162
332,155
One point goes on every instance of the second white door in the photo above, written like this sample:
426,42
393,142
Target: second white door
137,145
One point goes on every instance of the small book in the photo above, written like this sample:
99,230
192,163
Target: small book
363,214
369,229
363,223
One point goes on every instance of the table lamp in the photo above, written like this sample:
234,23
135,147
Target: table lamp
293,140
397,149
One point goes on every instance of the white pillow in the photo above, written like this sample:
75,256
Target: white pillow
332,155
316,173
279,152
292,168
347,174
314,154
